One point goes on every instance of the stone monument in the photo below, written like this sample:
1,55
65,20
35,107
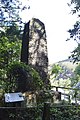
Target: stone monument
35,48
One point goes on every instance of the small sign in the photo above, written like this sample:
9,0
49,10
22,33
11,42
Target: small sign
14,97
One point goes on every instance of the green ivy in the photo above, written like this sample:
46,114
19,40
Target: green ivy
21,74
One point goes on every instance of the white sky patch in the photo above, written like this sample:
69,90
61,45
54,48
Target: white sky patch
55,15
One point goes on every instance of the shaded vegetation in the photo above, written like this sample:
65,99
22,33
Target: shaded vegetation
23,78
36,113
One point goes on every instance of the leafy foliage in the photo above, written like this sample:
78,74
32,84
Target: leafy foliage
56,69
23,77
9,12
61,71
76,78
71,112
75,54
76,7
65,113
77,70
10,47
75,32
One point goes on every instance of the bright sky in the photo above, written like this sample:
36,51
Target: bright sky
55,15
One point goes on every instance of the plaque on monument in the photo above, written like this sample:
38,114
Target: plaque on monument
14,97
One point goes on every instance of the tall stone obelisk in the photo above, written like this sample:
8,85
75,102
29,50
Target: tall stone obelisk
36,54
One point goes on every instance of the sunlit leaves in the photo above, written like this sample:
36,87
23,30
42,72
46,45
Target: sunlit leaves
56,69
10,46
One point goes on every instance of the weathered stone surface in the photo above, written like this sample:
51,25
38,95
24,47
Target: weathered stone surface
34,48
25,44
38,55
